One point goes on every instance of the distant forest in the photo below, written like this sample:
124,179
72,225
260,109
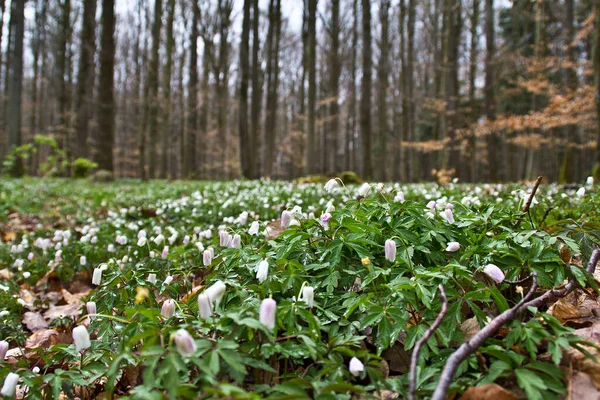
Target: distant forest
405,90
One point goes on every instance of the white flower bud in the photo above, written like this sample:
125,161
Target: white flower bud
267,313
452,246
10,384
204,306
390,250
81,338
168,308
262,271
90,307
185,343
308,296
494,273
356,366
97,276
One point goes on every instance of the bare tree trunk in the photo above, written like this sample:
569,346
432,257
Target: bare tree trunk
106,102
256,89
410,84
167,89
225,8
351,142
312,154
153,89
365,102
473,53
189,162
272,75
335,69
490,106
597,85
85,79
15,83
383,72
246,143
61,69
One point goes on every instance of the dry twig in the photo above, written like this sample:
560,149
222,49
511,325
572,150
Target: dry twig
527,205
415,354
470,346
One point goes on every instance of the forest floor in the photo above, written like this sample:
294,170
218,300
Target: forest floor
268,289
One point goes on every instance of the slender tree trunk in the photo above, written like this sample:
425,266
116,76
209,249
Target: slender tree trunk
167,90
225,7
272,84
189,162
453,20
204,110
383,78
410,84
365,102
256,90
61,69
85,79
106,102
15,82
351,142
490,106
312,154
473,57
402,162
153,90
335,68
246,143
597,85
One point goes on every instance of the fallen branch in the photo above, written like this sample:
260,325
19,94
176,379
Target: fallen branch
527,205
557,293
470,346
415,354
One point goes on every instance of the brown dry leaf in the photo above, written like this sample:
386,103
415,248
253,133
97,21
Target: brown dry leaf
488,392
5,274
46,338
28,297
564,311
581,361
34,321
190,294
582,387
397,358
10,236
470,327
72,298
274,229
69,310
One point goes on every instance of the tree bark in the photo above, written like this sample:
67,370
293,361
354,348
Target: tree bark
61,69
85,79
15,83
272,74
153,90
246,143
256,91
189,162
167,89
365,103
312,154
490,107
106,103
335,69
383,72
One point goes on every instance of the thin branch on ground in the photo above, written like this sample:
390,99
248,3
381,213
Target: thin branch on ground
470,346
415,354
557,293
527,205
520,281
